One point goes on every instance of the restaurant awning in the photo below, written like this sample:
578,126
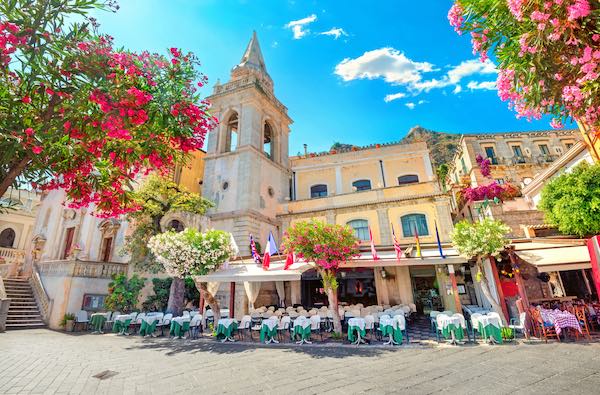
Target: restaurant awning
252,272
387,258
550,259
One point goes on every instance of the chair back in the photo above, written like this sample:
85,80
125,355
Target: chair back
285,322
439,318
115,314
369,322
400,321
448,313
315,322
461,318
139,318
475,320
81,316
580,314
245,322
186,313
434,313
209,313
133,316
522,319
196,320
384,317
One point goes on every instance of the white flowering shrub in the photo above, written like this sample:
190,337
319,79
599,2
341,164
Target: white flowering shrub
191,252
480,239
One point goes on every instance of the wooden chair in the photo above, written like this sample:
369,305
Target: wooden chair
583,322
545,329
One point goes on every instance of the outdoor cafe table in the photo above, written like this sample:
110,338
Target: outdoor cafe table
560,320
302,330
356,325
268,331
391,327
179,325
121,324
225,328
489,327
148,325
97,320
451,328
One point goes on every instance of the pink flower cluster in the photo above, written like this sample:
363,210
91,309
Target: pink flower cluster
516,8
484,165
579,9
456,18
10,39
490,192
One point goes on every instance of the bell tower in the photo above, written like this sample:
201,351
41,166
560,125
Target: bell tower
247,173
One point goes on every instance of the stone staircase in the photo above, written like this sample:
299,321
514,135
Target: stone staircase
23,312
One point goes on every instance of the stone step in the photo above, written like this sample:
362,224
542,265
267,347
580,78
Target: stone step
17,299
15,302
26,321
21,317
33,310
18,292
27,325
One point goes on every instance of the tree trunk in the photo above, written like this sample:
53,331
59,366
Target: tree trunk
176,296
210,300
13,173
333,306
485,288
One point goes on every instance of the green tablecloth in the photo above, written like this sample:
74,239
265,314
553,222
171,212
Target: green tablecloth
121,326
354,329
148,329
490,330
266,333
98,321
226,332
451,328
302,333
178,330
396,333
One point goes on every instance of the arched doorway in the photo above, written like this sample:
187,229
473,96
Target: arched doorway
7,238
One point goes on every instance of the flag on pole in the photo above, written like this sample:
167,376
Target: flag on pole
254,252
396,244
373,252
270,249
289,260
418,243
439,243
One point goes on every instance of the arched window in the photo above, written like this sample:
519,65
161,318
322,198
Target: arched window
318,191
231,133
7,238
269,141
175,225
408,179
412,222
362,185
361,228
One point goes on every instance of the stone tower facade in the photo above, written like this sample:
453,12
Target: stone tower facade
247,171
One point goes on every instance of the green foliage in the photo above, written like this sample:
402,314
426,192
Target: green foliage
571,201
442,173
480,239
157,196
123,293
66,317
191,291
158,301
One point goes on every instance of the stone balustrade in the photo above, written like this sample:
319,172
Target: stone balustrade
41,296
72,268
12,255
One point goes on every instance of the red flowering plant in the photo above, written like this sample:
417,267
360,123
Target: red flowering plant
491,191
329,246
78,114
548,54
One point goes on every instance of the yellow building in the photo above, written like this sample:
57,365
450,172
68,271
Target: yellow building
191,175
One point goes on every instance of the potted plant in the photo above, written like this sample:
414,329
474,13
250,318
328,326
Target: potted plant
68,322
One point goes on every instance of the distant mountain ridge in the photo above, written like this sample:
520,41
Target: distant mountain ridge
442,146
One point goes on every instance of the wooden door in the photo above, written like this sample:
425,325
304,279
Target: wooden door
68,242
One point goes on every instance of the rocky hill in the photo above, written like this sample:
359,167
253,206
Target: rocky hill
441,145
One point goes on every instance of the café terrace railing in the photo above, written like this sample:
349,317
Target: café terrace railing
74,268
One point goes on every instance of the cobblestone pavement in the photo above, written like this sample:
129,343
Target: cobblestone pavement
43,361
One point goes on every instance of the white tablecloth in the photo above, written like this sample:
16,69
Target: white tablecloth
486,320
151,318
444,321
123,317
359,322
95,314
270,323
226,322
303,322
181,320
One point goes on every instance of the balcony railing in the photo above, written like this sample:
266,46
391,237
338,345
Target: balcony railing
12,255
90,269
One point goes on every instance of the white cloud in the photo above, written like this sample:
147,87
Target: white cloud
298,27
387,63
336,32
422,102
393,96
470,67
410,105
457,89
486,85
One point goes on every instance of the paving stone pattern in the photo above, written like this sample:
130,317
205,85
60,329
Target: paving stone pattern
41,361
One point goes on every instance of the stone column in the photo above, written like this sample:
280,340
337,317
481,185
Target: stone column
381,287
385,233
455,289
296,292
339,188
404,284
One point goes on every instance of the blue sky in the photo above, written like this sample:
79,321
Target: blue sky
335,84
